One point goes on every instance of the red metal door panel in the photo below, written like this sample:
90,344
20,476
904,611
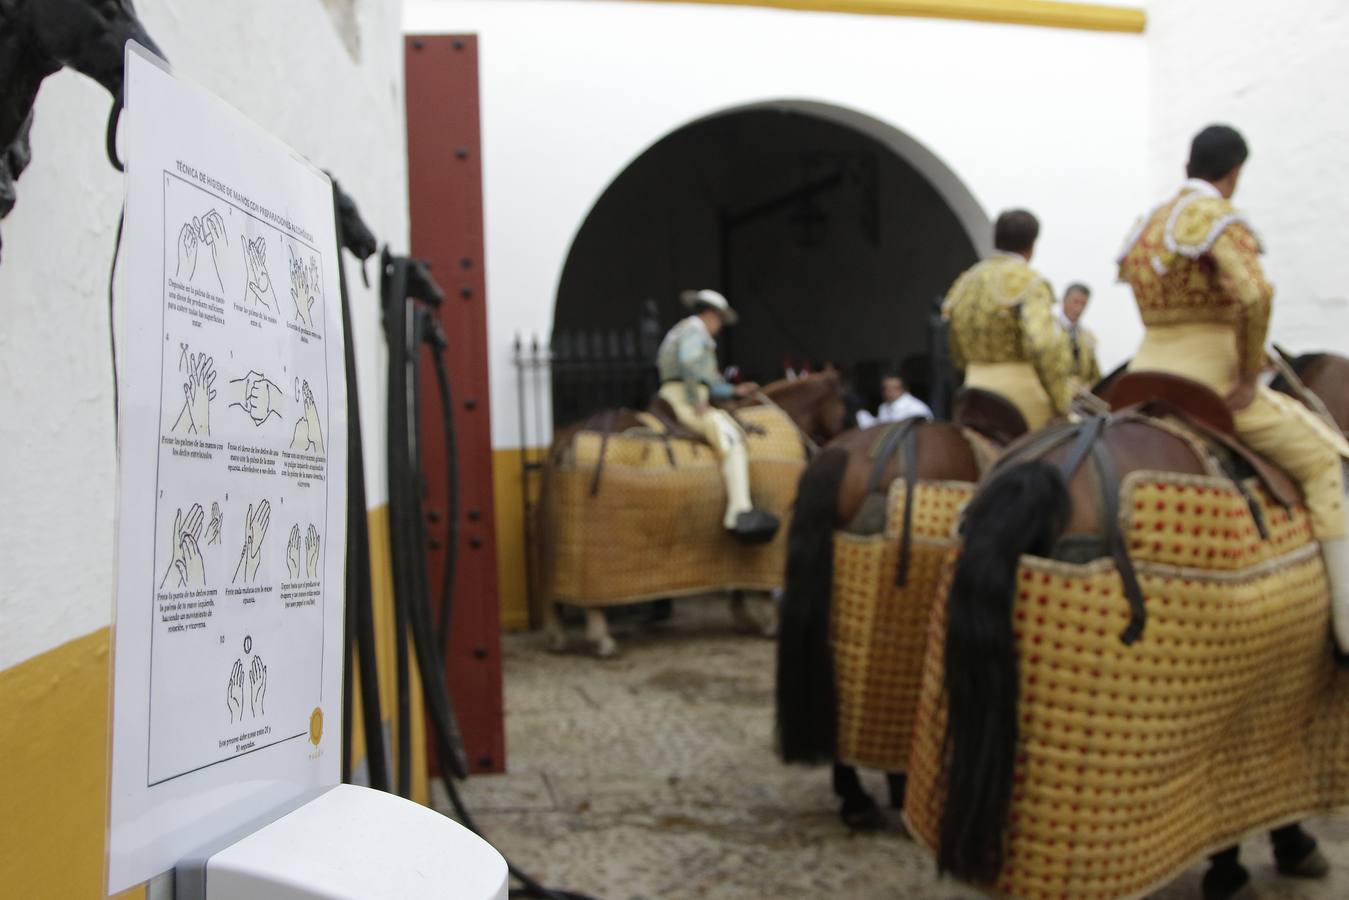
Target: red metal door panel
445,204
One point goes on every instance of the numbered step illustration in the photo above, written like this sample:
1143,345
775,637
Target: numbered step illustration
306,290
197,375
256,522
188,540
246,694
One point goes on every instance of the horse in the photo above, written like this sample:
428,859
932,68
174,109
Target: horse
846,487
1132,665
814,404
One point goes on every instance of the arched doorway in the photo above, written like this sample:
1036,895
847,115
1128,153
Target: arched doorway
831,232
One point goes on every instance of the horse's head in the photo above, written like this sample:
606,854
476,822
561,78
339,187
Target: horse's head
815,403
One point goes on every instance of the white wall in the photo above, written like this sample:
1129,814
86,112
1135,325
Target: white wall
573,91
286,66
1276,72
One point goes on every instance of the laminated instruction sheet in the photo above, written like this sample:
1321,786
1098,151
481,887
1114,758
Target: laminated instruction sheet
228,646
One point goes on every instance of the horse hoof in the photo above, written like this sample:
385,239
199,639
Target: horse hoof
1313,865
769,629
557,642
606,647
862,815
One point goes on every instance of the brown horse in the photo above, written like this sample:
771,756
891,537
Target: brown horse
845,487
1066,543
814,403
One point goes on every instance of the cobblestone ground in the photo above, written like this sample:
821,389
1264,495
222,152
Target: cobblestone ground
652,776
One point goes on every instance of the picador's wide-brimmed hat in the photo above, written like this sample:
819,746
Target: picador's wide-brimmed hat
711,300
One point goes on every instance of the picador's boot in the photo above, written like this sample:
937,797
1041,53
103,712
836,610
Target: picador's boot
757,526
753,526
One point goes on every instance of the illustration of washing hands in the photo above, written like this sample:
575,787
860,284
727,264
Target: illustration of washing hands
207,230
305,287
255,530
256,395
186,568
259,291
255,692
308,435
311,552
198,392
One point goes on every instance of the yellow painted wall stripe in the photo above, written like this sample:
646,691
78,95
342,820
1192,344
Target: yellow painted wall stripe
1046,13
54,751
54,766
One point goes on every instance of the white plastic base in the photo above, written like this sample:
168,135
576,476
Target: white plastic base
354,842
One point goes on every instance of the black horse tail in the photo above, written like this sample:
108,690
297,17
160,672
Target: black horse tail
807,705
1022,510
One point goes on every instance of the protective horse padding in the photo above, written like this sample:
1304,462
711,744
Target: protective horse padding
1228,716
879,631
655,529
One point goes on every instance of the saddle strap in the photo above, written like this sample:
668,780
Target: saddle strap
910,486
605,430
1088,442
884,450
1114,538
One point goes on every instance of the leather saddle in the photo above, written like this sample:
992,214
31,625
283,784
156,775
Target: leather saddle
988,414
664,412
1162,393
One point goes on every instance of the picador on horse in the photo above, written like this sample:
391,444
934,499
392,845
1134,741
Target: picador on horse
691,382
679,476
1134,663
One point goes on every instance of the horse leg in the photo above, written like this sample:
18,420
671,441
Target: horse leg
859,812
755,611
557,634
898,782
740,612
1227,878
597,633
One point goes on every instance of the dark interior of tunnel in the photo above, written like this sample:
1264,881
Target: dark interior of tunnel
830,245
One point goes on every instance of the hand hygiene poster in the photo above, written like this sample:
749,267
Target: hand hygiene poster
232,483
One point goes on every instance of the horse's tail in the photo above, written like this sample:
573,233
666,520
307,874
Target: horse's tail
806,703
1022,510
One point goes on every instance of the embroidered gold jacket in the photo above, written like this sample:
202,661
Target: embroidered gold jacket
1000,311
1086,368
1195,259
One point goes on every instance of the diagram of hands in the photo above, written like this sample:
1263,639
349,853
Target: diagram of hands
198,392
234,692
308,432
209,230
182,545
213,529
188,239
311,546
257,396
257,686
259,282
255,529
293,552
304,287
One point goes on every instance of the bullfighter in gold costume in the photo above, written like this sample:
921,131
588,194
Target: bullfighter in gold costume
1002,327
1194,266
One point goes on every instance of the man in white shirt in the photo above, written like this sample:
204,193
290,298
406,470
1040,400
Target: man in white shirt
896,406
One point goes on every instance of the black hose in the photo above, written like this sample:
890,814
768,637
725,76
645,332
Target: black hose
402,551
408,535
360,598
